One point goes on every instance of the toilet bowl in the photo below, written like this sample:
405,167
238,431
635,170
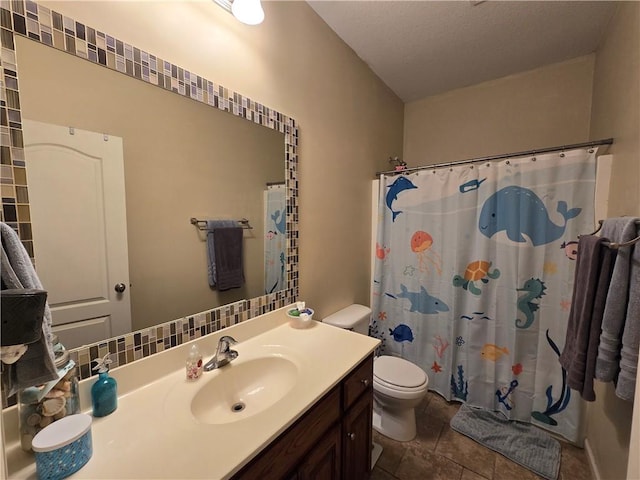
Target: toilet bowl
398,385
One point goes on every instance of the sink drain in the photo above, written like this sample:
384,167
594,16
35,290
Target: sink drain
238,407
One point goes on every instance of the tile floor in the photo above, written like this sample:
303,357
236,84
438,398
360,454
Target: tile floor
440,453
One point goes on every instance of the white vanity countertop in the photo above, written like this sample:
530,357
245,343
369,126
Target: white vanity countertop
153,434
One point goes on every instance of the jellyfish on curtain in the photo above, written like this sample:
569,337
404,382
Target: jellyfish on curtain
421,243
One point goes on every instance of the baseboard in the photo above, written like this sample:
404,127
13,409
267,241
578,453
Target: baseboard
592,461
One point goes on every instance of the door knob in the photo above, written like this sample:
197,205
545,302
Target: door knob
120,287
352,436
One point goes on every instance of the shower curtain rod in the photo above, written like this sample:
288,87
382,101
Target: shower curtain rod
606,141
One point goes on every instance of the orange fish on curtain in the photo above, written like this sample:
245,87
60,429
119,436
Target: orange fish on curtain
493,352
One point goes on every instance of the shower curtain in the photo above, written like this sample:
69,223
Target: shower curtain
274,239
474,275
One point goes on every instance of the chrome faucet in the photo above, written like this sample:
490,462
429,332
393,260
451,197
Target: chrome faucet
223,354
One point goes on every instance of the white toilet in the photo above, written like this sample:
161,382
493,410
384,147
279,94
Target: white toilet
398,385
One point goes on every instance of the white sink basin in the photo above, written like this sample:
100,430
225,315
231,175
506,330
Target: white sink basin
242,389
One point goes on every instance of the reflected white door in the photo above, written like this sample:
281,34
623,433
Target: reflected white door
77,196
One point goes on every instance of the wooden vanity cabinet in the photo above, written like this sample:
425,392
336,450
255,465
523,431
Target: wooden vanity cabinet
331,441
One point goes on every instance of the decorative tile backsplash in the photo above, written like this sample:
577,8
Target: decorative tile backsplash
41,24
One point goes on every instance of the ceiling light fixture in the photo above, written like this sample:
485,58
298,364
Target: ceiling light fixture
249,12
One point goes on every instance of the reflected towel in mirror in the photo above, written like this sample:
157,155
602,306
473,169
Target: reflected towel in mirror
224,254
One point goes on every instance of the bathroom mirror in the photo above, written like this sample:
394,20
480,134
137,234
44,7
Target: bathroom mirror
182,159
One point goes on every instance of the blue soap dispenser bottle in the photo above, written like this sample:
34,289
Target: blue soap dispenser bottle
104,392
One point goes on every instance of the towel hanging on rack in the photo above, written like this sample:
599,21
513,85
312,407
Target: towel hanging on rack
203,224
620,244
593,272
36,366
224,254
621,322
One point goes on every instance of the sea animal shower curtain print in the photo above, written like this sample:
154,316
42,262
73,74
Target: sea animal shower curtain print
275,238
474,277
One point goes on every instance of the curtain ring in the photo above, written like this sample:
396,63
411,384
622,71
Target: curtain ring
591,150
562,155
533,159
488,164
471,167
507,162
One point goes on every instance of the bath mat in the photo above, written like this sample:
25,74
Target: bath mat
522,443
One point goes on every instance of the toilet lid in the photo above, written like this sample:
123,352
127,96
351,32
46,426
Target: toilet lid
398,371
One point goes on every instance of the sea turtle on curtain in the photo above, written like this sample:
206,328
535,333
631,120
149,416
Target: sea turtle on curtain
478,270
518,211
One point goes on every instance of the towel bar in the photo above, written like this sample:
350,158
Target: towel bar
614,245
202,224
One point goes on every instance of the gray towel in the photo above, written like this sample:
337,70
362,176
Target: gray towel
626,386
211,250
594,265
607,365
224,252
36,366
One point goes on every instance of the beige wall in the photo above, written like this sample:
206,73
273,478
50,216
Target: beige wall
182,159
350,123
541,108
616,113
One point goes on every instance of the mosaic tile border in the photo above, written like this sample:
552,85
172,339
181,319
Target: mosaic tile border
29,19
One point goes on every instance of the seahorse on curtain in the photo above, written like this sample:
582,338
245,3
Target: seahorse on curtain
535,290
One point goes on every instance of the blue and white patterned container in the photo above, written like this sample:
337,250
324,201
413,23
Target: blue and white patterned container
63,447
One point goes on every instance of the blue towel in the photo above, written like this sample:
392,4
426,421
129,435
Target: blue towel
626,386
617,230
224,254
594,265
37,365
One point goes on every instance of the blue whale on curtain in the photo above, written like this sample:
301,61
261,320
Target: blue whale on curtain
518,211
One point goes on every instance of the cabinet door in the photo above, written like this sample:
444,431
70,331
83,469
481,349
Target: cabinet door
357,441
324,461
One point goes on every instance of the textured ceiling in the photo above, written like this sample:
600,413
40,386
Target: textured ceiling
421,48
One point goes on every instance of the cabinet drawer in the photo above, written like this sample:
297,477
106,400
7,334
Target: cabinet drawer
277,460
357,382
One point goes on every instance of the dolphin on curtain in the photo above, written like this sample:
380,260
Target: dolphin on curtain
400,185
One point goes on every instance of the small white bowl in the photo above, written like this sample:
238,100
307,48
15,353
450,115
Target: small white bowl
299,321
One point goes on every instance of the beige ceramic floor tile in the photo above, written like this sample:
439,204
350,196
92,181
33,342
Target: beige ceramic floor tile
507,470
466,452
380,474
470,475
425,402
574,464
428,430
392,452
441,409
427,466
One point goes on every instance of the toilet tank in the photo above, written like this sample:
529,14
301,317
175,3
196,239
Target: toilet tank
354,317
